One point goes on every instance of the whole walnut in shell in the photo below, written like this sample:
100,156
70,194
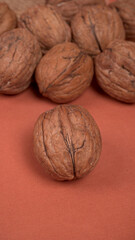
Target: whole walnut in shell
115,70
69,8
8,19
95,27
126,10
64,73
19,55
47,25
67,142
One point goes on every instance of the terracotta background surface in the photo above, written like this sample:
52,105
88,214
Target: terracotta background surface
98,207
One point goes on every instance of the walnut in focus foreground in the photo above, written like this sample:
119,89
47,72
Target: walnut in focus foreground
64,73
69,8
19,55
126,10
8,19
67,142
115,70
47,25
94,27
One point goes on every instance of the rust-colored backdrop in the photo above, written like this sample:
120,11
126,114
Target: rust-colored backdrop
100,206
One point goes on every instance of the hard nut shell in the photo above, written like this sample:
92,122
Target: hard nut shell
19,55
126,10
115,70
69,8
64,73
94,27
8,20
47,25
67,142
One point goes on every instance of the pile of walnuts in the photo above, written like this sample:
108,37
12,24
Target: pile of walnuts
62,44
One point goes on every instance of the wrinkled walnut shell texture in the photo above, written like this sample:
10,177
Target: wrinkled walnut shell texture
115,70
19,55
64,73
8,19
47,25
126,10
98,26
67,142
70,8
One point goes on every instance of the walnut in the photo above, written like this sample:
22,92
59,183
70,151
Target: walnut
69,8
47,25
8,19
95,27
115,70
126,10
64,73
67,142
19,55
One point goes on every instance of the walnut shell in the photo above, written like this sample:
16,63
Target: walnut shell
69,8
47,25
115,70
8,18
19,55
126,10
64,73
95,27
67,142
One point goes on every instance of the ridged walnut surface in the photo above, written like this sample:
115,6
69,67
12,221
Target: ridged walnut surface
68,8
126,10
19,55
64,73
67,142
115,70
8,20
47,25
95,27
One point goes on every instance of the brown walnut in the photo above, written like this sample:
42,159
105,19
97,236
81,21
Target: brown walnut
64,73
8,18
115,70
47,25
19,55
95,27
67,142
69,8
126,10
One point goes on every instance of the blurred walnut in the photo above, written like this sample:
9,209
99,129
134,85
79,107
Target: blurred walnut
68,8
115,70
126,9
7,18
20,6
67,142
19,55
47,25
95,27
64,73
